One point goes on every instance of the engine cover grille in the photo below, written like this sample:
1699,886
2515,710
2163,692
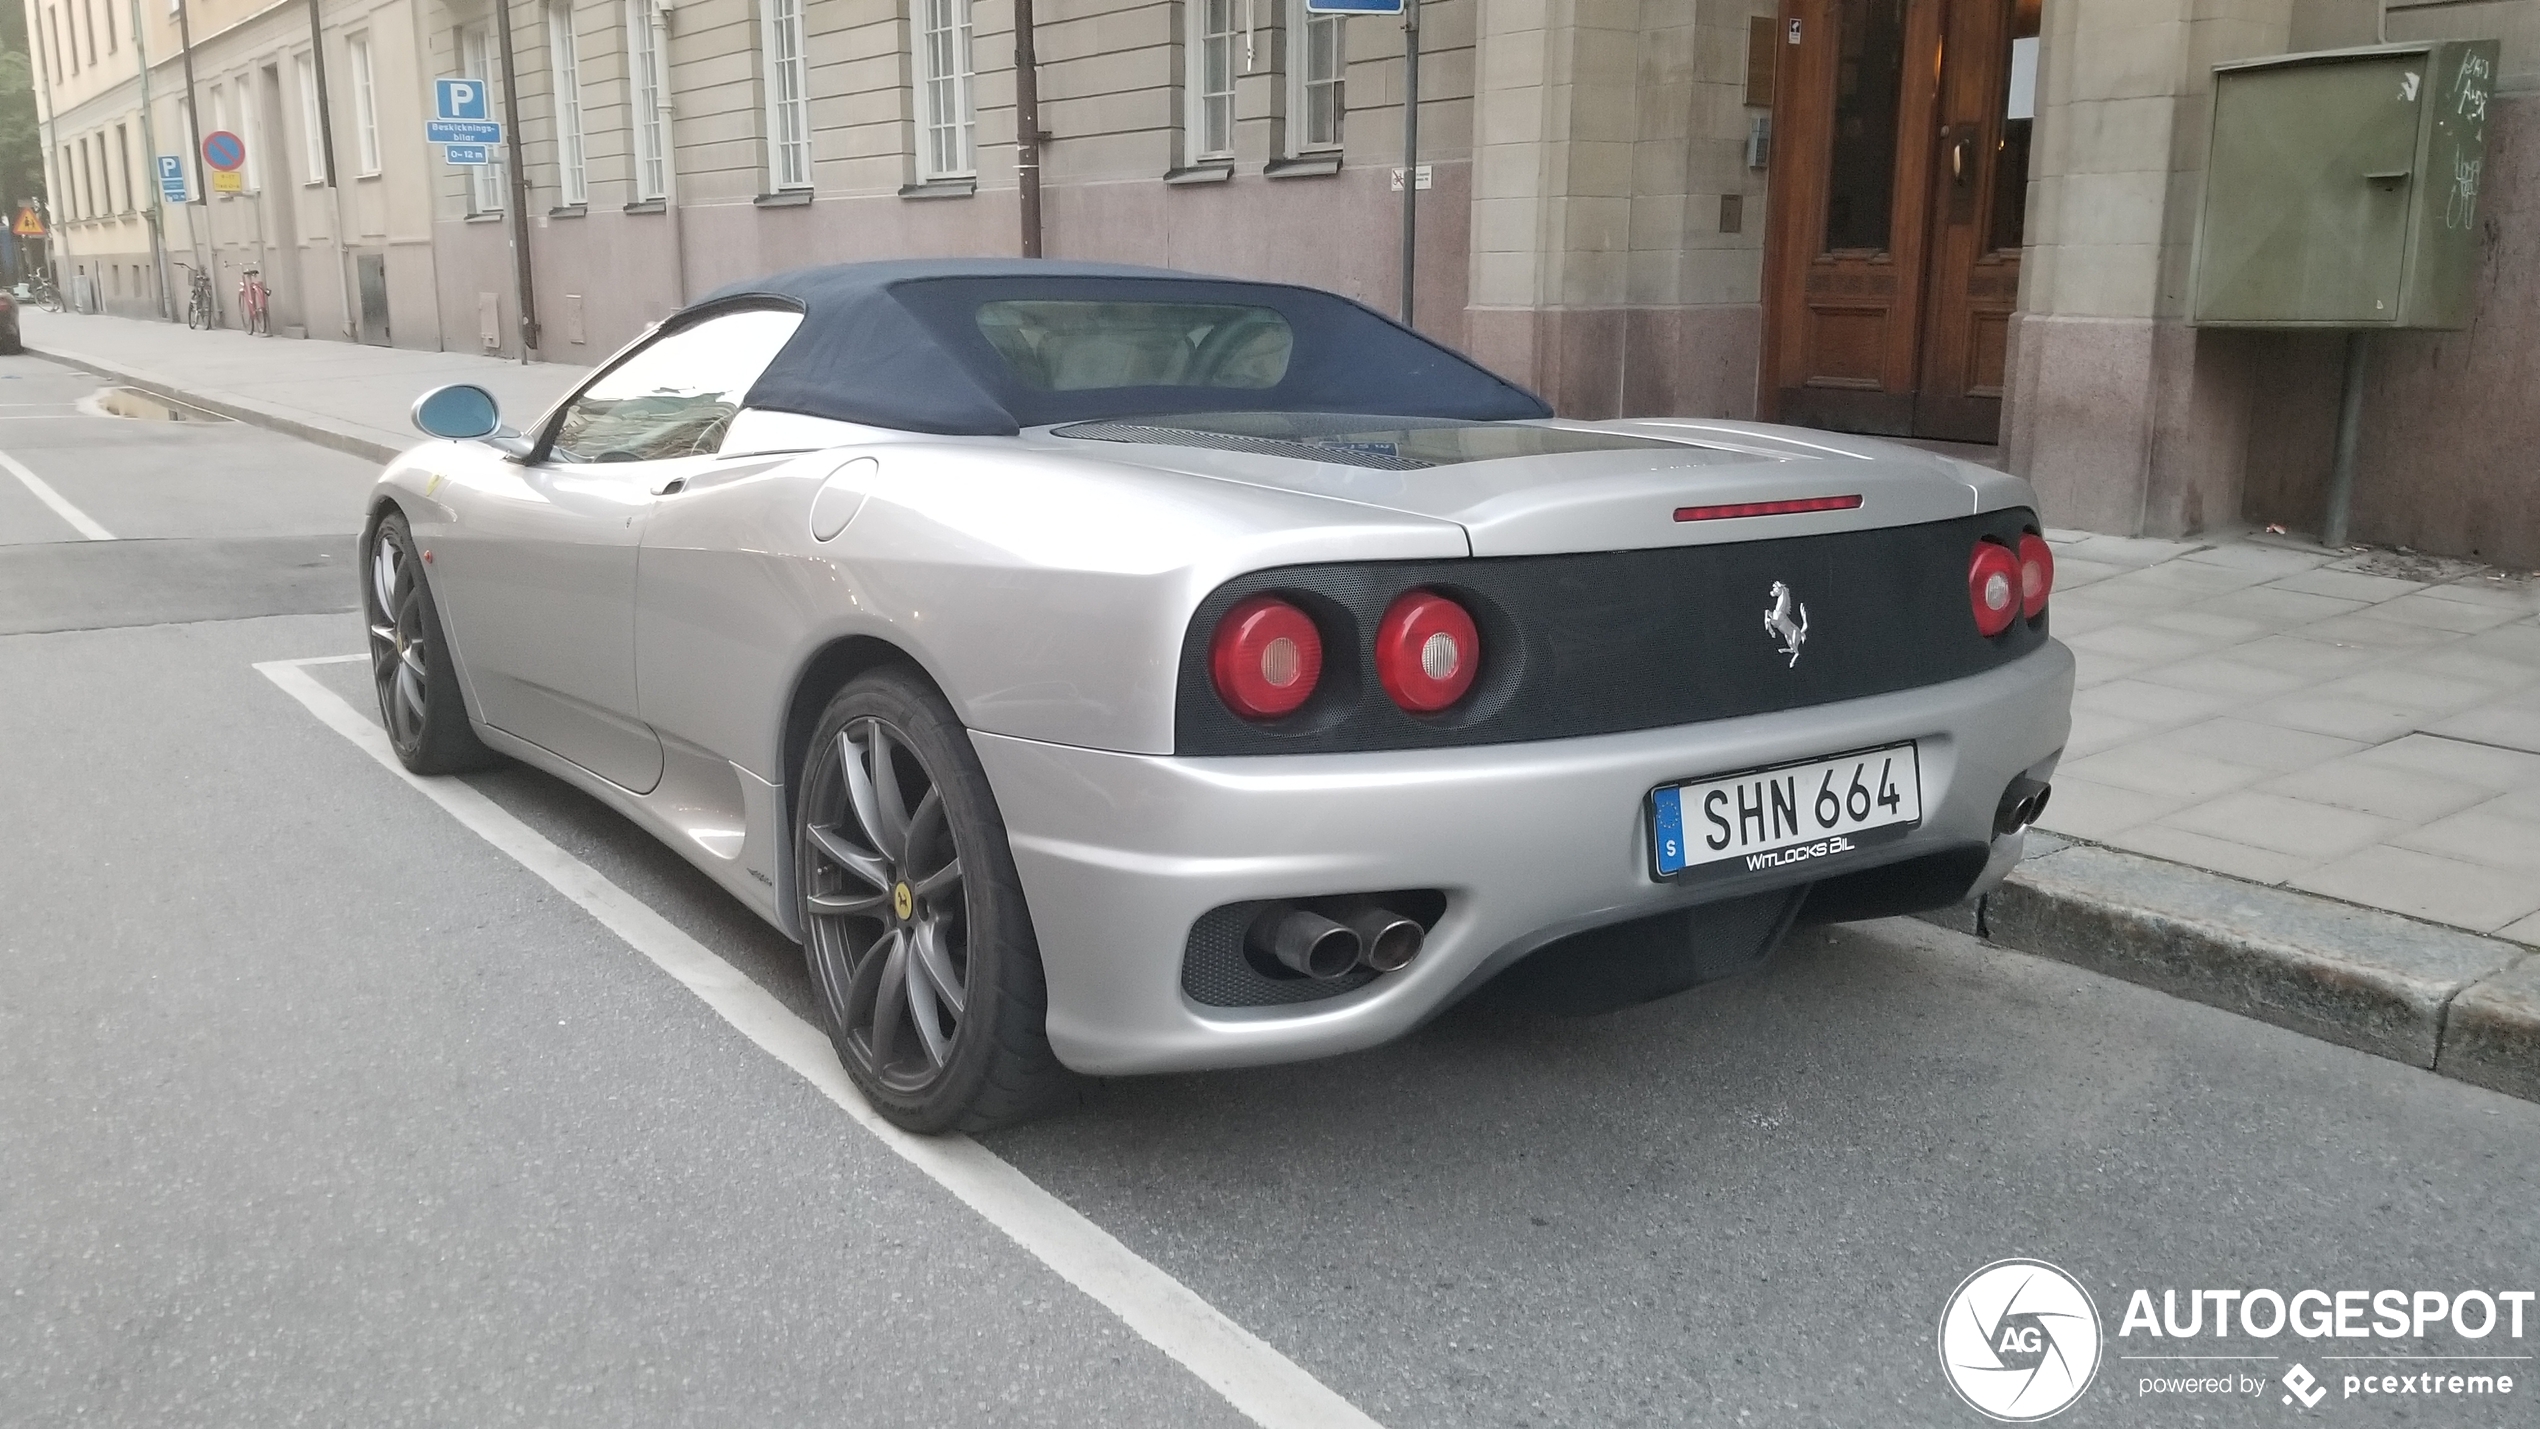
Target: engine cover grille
1607,641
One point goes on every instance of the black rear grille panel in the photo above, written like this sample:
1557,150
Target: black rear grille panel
1217,973
1607,641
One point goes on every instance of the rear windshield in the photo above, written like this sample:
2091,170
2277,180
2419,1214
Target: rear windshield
1059,345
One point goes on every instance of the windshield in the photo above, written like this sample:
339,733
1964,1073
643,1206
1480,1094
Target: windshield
1061,345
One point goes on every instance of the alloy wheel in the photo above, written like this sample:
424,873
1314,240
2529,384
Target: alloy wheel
397,662
885,907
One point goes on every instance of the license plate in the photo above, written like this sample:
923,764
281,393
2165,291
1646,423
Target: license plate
1791,814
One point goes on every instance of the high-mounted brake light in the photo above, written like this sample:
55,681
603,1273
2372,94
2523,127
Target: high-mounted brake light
2037,574
1265,657
1427,651
1993,587
1790,507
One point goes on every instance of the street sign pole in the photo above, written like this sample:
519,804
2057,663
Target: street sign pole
1410,152
520,190
198,235
348,287
155,214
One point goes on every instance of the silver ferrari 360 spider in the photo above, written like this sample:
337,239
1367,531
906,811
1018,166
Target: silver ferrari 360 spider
1118,670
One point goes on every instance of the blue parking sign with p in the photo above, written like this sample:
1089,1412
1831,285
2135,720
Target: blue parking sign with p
458,99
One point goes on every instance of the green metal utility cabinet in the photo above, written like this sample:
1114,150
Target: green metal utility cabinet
2341,188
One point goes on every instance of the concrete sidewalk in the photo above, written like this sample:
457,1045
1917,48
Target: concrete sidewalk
2360,724
2308,779
337,394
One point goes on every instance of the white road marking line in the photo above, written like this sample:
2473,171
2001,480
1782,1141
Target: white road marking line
1264,1385
45,493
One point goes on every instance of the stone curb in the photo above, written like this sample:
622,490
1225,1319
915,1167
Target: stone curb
237,409
2459,1004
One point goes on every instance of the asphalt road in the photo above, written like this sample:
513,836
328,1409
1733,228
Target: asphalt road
317,1108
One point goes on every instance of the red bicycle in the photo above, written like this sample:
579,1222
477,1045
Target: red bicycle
252,303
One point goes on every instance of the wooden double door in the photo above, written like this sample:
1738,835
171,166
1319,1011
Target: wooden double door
1892,252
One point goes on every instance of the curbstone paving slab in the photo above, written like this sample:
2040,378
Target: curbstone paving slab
2492,1035
347,439
2454,1002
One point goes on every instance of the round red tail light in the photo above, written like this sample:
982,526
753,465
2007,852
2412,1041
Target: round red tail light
1427,651
1265,657
1993,587
2037,574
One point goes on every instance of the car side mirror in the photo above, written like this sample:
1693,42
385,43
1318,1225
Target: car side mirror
459,413
464,412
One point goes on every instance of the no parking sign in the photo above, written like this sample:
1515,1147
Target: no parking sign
223,154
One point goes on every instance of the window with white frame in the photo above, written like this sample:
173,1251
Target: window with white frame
1208,80
251,169
644,95
312,127
564,56
944,117
788,95
220,108
476,62
1318,57
365,103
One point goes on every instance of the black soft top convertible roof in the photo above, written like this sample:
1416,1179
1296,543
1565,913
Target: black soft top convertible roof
899,344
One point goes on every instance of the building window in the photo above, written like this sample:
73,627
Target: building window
89,13
476,62
53,51
1318,57
644,95
312,124
123,162
87,182
788,96
365,103
564,54
250,141
1208,80
943,90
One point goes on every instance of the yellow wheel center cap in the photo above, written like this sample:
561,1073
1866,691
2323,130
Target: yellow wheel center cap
903,901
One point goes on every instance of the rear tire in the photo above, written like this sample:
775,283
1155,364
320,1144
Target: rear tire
914,924
410,665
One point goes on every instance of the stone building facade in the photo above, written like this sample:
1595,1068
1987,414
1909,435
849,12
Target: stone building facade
1957,220
344,248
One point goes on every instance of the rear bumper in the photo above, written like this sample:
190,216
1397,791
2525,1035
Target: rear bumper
1121,853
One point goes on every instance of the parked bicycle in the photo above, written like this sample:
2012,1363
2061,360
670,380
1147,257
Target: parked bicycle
41,292
254,304
200,308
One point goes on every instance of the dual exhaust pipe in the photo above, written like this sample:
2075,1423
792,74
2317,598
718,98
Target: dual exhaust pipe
2021,805
1327,949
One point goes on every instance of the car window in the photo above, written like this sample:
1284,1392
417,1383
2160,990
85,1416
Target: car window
1070,346
677,396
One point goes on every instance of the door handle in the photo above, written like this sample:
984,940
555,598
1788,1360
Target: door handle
1958,146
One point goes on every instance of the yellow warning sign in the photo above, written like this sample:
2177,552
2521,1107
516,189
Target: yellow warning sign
228,181
30,224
